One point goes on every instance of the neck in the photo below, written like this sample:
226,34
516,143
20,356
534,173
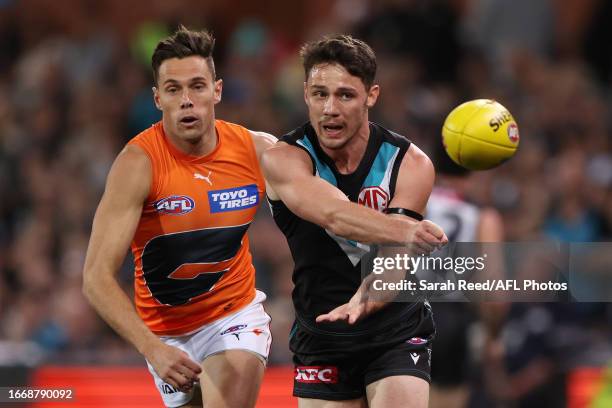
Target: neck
198,146
348,157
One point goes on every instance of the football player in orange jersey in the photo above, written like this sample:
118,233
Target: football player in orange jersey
183,193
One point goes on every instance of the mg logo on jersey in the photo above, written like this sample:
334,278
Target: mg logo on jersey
316,374
174,205
374,197
232,199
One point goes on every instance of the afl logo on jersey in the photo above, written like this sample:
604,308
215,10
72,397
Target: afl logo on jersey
174,205
374,197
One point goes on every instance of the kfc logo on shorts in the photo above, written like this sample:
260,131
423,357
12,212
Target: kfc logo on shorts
316,374
174,205
373,197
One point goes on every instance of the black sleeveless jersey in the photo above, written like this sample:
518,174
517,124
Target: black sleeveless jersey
328,267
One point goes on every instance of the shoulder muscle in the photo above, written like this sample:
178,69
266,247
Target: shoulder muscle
414,181
262,141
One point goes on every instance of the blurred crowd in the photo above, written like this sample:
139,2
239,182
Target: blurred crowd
75,86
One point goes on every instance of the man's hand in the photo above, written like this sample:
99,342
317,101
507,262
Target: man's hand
173,366
351,312
356,309
425,237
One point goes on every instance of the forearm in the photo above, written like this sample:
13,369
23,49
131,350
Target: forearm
359,223
114,306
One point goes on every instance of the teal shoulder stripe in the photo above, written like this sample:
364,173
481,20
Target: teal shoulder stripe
322,169
384,159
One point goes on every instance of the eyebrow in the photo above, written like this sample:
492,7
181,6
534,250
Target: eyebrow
341,89
191,80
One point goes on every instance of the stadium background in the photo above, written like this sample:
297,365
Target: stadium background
75,86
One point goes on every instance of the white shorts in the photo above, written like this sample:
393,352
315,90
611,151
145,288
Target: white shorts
247,329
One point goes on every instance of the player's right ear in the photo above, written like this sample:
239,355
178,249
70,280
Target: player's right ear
306,92
156,98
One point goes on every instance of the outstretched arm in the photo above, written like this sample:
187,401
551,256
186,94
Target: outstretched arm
288,170
113,228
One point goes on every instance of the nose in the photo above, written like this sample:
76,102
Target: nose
330,107
186,100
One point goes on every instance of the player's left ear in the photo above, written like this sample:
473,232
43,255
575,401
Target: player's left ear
156,98
218,91
372,96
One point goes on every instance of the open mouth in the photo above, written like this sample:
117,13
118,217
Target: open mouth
188,120
332,129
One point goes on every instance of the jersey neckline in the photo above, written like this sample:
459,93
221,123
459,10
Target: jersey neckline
372,146
187,157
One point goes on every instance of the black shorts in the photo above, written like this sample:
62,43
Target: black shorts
338,368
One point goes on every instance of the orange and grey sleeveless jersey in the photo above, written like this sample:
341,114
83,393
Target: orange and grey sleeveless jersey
191,249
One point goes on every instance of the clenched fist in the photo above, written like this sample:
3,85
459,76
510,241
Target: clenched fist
425,237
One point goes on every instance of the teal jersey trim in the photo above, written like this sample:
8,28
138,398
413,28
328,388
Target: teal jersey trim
322,169
382,165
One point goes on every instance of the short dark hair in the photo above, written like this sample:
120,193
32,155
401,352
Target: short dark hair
354,55
184,43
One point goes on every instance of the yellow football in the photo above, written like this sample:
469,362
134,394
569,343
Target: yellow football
480,134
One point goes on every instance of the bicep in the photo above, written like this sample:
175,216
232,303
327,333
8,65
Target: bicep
289,171
119,212
414,181
262,142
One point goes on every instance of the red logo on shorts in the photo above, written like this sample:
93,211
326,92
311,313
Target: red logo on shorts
316,374
373,197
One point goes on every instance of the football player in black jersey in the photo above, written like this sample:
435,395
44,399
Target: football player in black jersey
350,352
